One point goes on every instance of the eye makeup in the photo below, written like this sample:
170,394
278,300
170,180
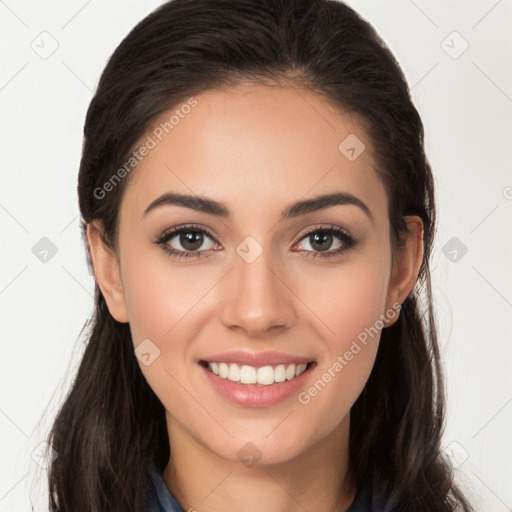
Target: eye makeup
315,235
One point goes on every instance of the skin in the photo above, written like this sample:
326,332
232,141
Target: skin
257,150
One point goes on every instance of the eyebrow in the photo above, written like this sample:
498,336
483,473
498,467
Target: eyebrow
212,207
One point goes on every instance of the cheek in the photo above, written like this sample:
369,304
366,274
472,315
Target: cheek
165,305
160,297
350,308
347,298
162,303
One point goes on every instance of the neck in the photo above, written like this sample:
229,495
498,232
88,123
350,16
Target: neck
317,479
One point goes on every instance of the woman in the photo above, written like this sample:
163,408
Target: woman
259,213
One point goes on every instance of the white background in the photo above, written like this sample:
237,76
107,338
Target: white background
466,106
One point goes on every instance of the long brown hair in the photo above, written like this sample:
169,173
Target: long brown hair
111,429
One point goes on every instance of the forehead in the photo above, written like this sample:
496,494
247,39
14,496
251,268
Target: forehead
256,145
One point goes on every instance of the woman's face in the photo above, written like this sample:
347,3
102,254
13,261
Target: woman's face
265,289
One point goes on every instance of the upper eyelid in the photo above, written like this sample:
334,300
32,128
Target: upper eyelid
330,227
190,227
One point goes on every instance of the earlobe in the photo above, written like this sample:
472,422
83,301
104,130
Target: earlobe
106,270
407,265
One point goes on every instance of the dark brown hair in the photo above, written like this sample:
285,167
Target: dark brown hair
111,427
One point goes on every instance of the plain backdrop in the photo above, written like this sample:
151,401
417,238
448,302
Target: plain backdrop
456,56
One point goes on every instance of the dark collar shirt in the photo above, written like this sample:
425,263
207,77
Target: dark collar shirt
161,499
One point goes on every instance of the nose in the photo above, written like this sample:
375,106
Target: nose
257,300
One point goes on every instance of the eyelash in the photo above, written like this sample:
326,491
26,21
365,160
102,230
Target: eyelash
348,242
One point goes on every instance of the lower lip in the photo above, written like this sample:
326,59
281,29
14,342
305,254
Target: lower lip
254,395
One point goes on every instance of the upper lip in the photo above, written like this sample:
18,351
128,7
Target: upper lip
256,359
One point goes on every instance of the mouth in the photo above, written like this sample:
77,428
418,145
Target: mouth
256,380
256,386
267,375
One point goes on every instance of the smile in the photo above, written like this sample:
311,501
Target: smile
264,375
264,385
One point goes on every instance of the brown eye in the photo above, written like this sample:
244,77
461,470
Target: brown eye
326,242
186,241
321,241
190,240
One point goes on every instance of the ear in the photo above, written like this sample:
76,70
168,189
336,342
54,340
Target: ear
406,265
106,270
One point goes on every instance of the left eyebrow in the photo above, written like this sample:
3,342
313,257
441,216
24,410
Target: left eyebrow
323,202
303,207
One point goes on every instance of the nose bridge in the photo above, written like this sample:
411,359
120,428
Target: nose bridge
256,298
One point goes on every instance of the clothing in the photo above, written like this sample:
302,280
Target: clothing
161,499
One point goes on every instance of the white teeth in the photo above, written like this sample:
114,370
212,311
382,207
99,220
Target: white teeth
223,370
265,375
234,372
248,375
215,368
280,373
300,369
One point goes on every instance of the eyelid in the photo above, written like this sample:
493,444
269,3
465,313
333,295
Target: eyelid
163,239
199,227
348,241
166,234
325,227
343,234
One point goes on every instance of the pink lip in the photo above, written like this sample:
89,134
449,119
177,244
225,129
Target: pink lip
257,359
254,395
